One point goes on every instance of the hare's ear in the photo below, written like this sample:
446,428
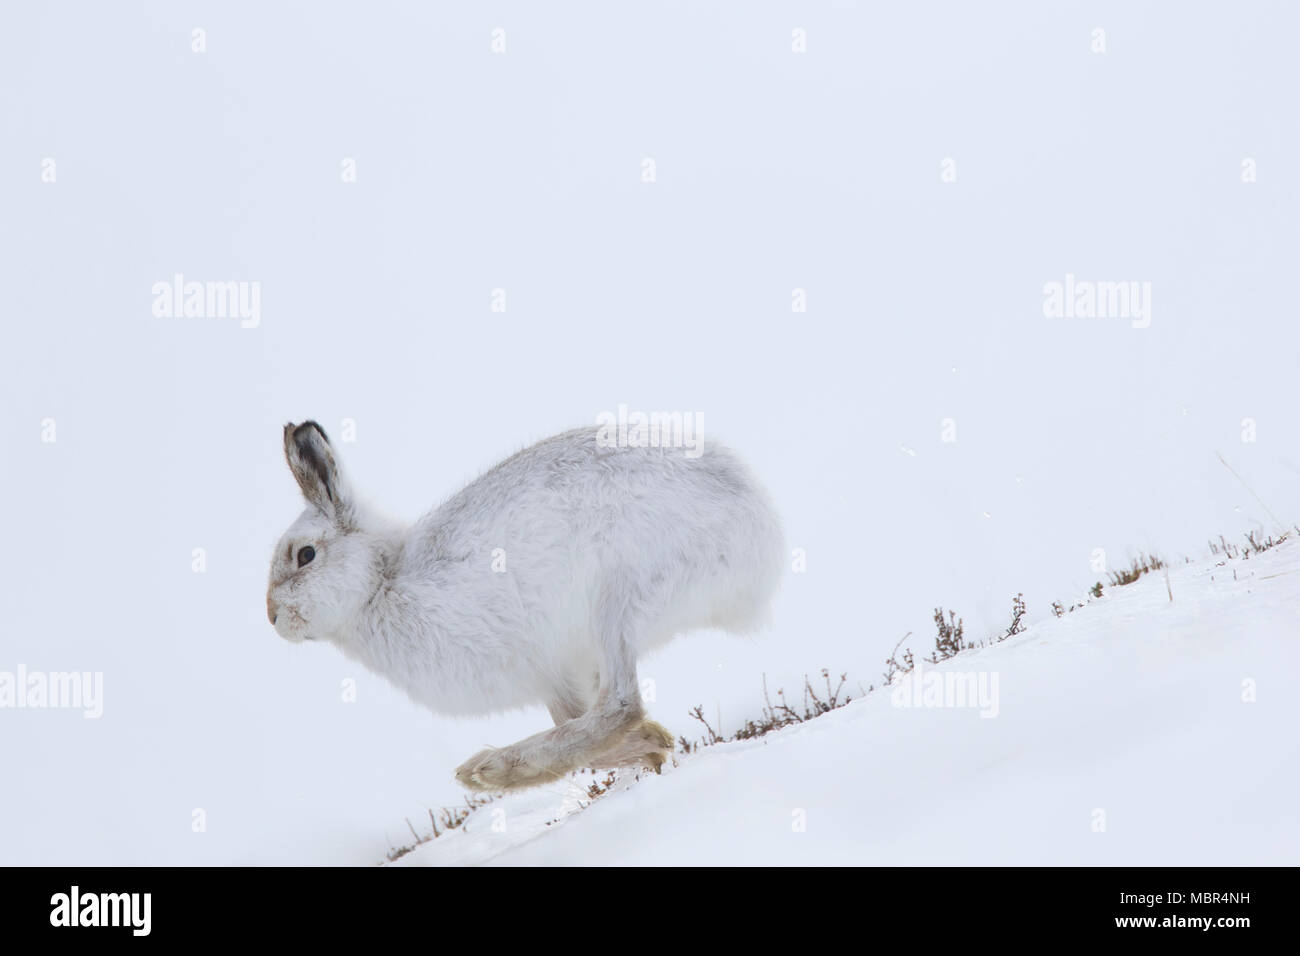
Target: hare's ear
311,459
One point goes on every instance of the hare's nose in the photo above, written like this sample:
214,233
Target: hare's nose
272,612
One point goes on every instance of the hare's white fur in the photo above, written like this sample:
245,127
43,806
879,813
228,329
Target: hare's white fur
543,581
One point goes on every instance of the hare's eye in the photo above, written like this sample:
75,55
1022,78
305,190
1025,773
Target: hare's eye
305,555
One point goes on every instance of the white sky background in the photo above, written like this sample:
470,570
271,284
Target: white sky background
522,171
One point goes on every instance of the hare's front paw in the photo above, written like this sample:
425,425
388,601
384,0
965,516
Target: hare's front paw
655,736
656,744
648,745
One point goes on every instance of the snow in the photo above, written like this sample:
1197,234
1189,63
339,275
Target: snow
1132,706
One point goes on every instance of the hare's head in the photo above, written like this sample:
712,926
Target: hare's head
325,567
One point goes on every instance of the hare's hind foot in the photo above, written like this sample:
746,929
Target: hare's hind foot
647,744
502,768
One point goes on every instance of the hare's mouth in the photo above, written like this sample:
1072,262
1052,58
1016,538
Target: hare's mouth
292,626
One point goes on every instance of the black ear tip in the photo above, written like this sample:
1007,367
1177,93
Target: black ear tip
298,432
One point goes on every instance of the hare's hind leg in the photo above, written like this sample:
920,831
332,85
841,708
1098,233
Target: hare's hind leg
575,742
553,753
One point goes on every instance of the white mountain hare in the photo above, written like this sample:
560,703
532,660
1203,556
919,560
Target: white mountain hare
543,581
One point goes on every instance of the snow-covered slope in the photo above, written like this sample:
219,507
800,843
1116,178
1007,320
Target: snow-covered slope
1133,731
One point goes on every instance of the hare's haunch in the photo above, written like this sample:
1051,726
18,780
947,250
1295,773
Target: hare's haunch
542,582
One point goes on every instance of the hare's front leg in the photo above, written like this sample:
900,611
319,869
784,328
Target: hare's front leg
648,744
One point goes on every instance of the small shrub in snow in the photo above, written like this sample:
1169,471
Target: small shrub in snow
950,640
1142,564
774,717
452,817
1017,615
894,665
1260,546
